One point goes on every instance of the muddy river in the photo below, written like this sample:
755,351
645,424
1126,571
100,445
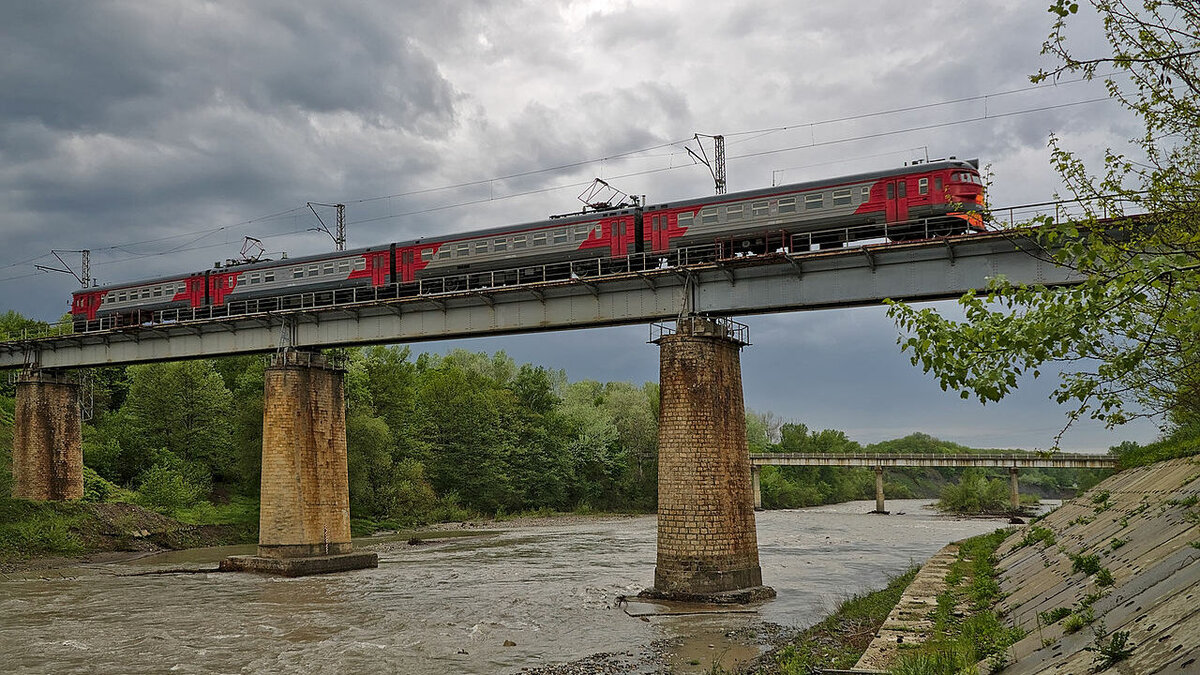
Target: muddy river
520,599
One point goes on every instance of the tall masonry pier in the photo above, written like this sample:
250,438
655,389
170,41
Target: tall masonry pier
304,518
47,437
707,543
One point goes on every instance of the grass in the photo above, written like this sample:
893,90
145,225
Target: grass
30,529
239,510
840,640
957,644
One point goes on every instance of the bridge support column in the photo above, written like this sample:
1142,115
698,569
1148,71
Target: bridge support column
756,483
304,519
1013,492
47,437
707,542
879,491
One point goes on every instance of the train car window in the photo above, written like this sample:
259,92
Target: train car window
787,205
923,186
684,219
241,279
500,245
327,268
902,187
314,270
582,232
481,246
254,278
539,239
426,254
297,272
841,197
268,277
708,217
891,190
120,297
343,265
734,212
462,250
157,292
866,193
519,241
814,201
760,208
560,236
443,253
937,184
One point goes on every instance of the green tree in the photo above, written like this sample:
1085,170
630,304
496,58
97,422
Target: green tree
181,407
1125,337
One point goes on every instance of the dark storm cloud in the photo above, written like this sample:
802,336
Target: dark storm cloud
127,122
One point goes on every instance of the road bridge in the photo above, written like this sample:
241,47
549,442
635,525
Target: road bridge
1013,462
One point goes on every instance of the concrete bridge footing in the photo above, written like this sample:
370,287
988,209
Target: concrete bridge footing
47,463
304,520
707,542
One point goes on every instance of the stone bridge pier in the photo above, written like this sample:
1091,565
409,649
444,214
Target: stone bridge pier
879,492
707,542
47,463
304,518
1014,494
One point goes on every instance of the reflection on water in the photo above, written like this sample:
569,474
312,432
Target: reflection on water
446,607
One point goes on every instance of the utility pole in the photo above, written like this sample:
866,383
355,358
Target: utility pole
717,166
339,239
84,277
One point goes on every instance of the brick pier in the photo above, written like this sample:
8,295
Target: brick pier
47,437
707,543
304,520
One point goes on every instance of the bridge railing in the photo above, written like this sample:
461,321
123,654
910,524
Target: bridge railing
795,245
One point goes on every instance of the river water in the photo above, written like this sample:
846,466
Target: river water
451,606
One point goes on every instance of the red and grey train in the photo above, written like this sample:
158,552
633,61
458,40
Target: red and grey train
941,197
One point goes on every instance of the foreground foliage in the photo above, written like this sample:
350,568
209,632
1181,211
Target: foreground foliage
1126,335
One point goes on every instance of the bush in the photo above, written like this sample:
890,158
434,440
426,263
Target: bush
166,488
1088,564
1078,620
97,489
1054,615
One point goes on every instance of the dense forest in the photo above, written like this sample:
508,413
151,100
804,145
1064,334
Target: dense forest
433,438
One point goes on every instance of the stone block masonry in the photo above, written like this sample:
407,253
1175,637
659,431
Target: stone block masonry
305,502
707,543
47,438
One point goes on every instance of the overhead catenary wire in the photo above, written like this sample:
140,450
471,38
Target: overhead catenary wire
195,237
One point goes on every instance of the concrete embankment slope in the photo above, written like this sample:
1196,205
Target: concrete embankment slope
1143,527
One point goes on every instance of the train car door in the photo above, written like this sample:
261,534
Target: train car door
408,270
896,204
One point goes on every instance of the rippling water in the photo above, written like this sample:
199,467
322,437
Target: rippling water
446,607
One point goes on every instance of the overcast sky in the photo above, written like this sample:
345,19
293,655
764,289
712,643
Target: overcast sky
158,135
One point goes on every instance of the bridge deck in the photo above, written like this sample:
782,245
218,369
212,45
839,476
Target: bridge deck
1055,461
865,275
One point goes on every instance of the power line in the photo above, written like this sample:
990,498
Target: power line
562,186
187,245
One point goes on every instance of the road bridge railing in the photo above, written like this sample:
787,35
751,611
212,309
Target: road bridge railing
1018,461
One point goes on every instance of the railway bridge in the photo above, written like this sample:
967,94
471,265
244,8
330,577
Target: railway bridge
1013,462
707,545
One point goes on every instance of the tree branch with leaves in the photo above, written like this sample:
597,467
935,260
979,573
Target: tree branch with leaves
1126,337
